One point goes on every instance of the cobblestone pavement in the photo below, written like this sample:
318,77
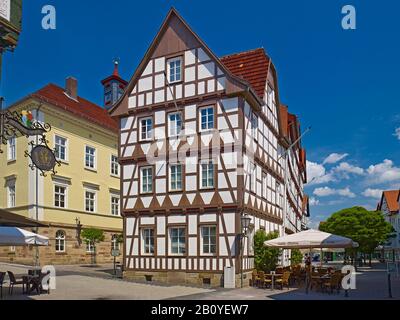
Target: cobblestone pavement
98,283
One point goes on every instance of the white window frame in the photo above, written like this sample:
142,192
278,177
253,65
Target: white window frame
112,205
170,242
141,180
209,245
11,196
173,129
208,162
59,185
252,177
94,200
65,147
208,128
170,177
169,61
94,158
58,241
114,163
148,137
145,244
12,149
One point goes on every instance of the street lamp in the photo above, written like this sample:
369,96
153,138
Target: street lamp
245,224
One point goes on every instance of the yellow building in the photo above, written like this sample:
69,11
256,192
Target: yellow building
85,189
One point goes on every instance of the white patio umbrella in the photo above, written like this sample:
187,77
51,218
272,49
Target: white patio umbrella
311,239
12,236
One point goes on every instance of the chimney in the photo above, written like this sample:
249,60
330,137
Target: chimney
71,87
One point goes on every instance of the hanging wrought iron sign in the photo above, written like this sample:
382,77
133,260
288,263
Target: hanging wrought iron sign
42,157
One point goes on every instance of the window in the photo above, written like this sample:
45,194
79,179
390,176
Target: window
148,241
12,150
12,249
115,206
254,126
264,185
177,241
146,179
60,195
175,70
89,247
11,195
90,157
146,129
60,148
60,241
115,243
209,239
175,177
207,118
207,174
114,165
174,124
90,201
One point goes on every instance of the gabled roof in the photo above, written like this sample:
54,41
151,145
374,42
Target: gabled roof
251,66
392,200
173,16
56,96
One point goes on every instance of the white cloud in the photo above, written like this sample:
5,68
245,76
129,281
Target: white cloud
372,193
314,201
383,172
397,133
335,157
316,174
345,167
326,192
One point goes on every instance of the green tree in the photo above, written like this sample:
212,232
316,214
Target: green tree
265,259
93,236
296,257
368,228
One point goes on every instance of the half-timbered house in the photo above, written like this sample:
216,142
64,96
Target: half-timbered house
200,146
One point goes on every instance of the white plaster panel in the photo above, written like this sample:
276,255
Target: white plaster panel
160,225
229,222
130,222
190,74
201,87
190,112
178,91
202,56
191,184
161,246
221,83
145,84
191,164
128,243
223,251
128,151
206,70
147,220
192,224
211,85
128,171
159,117
159,81
148,69
159,64
190,56
132,102
161,185
189,90
140,100
159,96
208,217
176,219
126,123
192,246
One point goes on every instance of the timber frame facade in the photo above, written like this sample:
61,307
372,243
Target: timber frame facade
227,153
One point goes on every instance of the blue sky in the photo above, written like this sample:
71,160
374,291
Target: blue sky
342,83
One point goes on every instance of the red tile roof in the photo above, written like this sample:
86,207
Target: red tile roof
391,197
82,108
251,66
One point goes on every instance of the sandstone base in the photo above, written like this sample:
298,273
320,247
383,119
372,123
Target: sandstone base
199,279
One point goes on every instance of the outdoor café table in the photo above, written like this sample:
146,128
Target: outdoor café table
272,276
34,271
321,279
30,281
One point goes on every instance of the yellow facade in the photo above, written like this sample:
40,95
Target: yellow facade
72,173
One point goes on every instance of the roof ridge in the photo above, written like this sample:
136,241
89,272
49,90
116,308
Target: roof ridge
244,52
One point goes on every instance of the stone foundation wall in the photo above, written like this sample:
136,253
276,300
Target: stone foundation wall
199,279
74,254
